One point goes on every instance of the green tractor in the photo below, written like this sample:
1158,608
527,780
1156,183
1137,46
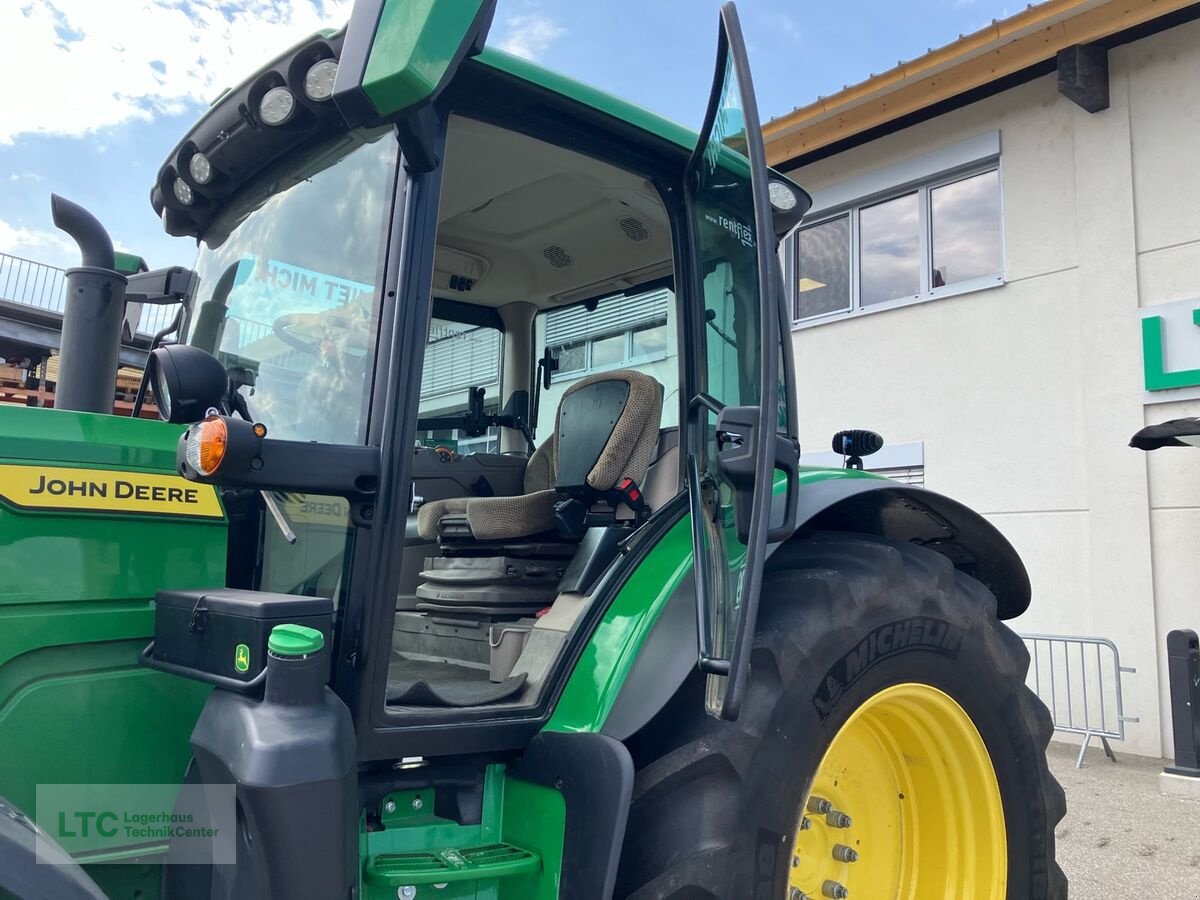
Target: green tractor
474,558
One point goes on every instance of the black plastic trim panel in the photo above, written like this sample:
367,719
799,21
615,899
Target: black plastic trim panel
594,773
348,94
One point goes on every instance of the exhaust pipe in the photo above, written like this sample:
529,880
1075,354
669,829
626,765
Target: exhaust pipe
92,317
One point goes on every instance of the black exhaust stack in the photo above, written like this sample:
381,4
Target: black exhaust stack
93,315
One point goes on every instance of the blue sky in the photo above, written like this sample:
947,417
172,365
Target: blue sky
112,86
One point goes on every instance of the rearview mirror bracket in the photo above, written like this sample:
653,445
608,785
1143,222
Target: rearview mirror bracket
253,460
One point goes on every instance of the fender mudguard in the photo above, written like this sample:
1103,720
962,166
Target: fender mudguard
34,867
830,500
849,500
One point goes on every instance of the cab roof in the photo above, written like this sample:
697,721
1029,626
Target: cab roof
238,147
593,97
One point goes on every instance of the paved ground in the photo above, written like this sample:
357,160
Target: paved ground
1121,837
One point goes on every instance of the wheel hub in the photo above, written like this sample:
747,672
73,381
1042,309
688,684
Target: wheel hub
905,804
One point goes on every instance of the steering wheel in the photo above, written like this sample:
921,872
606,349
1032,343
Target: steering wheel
283,325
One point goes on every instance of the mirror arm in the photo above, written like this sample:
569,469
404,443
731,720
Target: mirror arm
174,284
255,461
707,401
281,520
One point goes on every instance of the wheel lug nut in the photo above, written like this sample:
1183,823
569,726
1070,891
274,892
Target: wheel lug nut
795,861
819,805
842,853
797,894
838,819
805,823
835,890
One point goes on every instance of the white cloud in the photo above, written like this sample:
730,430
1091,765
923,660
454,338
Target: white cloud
87,65
51,247
529,34
788,26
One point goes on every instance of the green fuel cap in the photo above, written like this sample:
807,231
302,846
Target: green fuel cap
295,640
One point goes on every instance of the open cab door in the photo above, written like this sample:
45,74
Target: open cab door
738,418
398,56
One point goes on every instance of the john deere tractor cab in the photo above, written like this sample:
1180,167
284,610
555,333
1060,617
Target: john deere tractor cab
485,566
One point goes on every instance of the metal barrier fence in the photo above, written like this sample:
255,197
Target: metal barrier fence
1079,680
155,318
31,283
44,287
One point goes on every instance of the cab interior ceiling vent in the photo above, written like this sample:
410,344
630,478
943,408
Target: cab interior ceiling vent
557,256
635,229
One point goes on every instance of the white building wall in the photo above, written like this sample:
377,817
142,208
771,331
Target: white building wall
1025,395
1164,97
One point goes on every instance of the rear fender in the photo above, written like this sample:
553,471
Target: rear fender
853,501
844,500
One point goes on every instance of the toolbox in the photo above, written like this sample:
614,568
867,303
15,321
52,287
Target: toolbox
220,635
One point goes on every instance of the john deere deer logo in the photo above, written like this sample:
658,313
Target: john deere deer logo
241,658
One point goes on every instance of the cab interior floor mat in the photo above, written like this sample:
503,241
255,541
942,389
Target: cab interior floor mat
424,682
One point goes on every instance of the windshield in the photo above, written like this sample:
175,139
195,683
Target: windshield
287,296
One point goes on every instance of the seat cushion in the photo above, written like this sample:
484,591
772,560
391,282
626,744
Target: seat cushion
493,518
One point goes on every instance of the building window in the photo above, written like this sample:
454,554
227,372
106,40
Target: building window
936,238
610,351
965,223
643,343
572,357
889,261
460,355
616,332
914,475
823,283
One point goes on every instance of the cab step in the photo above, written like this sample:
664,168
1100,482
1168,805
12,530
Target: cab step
421,836
489,861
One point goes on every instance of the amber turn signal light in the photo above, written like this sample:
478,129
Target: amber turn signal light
206,444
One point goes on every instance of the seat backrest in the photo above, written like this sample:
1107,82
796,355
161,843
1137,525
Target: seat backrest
606,430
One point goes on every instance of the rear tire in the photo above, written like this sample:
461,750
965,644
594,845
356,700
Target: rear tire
716,804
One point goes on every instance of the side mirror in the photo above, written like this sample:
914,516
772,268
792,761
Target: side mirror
737,440
187,382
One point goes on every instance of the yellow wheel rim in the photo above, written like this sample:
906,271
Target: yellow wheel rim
905,804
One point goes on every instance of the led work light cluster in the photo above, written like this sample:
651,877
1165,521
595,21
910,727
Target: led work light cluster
276,107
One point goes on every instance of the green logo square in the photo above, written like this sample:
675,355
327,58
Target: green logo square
241,658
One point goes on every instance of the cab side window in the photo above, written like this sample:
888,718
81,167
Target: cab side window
459,356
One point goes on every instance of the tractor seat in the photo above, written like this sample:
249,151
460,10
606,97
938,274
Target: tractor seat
605,432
